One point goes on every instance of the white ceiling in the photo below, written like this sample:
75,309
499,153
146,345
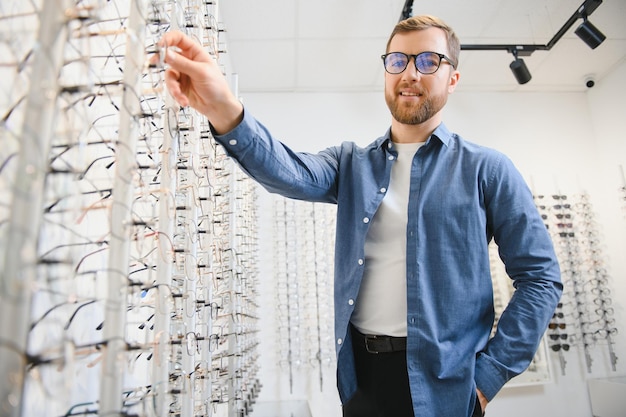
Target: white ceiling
335,45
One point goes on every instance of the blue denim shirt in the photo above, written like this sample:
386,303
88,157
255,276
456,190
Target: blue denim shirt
461,196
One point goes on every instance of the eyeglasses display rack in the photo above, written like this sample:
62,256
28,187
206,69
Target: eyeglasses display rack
128,239
303,264
584,320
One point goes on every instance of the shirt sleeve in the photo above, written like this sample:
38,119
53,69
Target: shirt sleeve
277,168
526,250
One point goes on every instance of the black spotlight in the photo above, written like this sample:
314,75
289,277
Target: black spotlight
590,34
522,75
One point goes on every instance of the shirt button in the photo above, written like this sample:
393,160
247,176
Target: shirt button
351,302
390,157
232,142
360,261
383,190
412,320
366,220
339,341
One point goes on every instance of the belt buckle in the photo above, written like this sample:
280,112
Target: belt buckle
376,338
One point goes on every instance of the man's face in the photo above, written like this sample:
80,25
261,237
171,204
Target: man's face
412,97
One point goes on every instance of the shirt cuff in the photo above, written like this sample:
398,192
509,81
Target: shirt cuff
233,140
489,376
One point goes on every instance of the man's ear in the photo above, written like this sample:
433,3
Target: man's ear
454,80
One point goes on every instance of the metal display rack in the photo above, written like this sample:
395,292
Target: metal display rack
127,237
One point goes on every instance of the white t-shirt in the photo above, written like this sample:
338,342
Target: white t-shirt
381,306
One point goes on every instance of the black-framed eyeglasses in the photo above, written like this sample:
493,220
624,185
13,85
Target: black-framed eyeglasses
425,62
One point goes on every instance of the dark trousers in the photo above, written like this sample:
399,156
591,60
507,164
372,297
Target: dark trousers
382,385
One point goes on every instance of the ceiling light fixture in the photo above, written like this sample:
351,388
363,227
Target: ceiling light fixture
407,10
589,34
586,31
520,70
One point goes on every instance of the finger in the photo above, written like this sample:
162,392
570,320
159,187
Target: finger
196,68
182,64
172,82
188,47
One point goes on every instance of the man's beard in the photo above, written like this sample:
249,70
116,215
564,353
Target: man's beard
415,114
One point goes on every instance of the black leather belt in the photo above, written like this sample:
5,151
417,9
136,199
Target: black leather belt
379,344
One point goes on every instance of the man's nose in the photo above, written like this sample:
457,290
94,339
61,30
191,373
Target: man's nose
411,72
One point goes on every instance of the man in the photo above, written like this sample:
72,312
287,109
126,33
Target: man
416,210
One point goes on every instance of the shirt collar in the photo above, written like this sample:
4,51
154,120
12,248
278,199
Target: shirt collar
441,133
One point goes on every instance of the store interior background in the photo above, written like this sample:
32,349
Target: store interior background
311,72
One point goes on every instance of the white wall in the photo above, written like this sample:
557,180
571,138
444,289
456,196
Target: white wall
561,142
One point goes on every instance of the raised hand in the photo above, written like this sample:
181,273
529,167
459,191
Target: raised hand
194,79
